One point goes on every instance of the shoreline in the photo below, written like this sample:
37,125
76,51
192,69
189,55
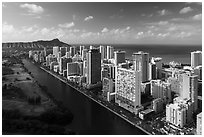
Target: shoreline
54,75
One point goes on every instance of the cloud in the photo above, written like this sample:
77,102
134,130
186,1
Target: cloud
140,33
185,10
45,31
162,35
163,23
88,18
160,23
127,28
197,17
67,25
91,35
164,12
7,28
177,19
104,30
32,8
29,29
146,15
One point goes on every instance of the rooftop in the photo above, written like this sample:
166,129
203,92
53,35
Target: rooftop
146,111
197,51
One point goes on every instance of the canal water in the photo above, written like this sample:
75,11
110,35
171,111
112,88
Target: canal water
89,117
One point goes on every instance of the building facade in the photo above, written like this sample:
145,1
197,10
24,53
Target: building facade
196,58
141,63
127,88
55,51
93,66
119,57
199,124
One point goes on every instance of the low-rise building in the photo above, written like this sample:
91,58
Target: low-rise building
158,105
146,114
56,68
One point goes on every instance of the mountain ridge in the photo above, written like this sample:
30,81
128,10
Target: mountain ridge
35,44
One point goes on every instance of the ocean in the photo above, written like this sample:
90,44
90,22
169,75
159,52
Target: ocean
168,53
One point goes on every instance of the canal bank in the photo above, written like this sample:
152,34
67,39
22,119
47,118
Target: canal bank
89,116
97,101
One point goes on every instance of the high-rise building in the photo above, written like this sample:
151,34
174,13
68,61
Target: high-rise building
72,69
81,48
85,70
68,55
110,52
55,51
50,58
72,50
161,89
145,88
127,88
110,69
196,58
119,57
158,63
93,66
45,51
102,51
108,88
63,51
58,57
63,64
84,52
41,56
199,124
141,63
198,71
104,73
152,71
189,88
30,54
175,85
81,69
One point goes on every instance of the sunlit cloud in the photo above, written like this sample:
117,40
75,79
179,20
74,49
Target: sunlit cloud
88,18
67,25
104,30
32,8
185,10
197,17
164,12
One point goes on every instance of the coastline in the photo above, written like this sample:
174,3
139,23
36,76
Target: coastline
142,129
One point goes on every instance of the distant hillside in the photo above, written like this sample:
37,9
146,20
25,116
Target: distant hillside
34,45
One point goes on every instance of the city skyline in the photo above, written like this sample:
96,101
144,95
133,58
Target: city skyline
103,23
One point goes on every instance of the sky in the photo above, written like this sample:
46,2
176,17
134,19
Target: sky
164,23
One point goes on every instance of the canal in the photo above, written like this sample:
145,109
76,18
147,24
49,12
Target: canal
89,117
